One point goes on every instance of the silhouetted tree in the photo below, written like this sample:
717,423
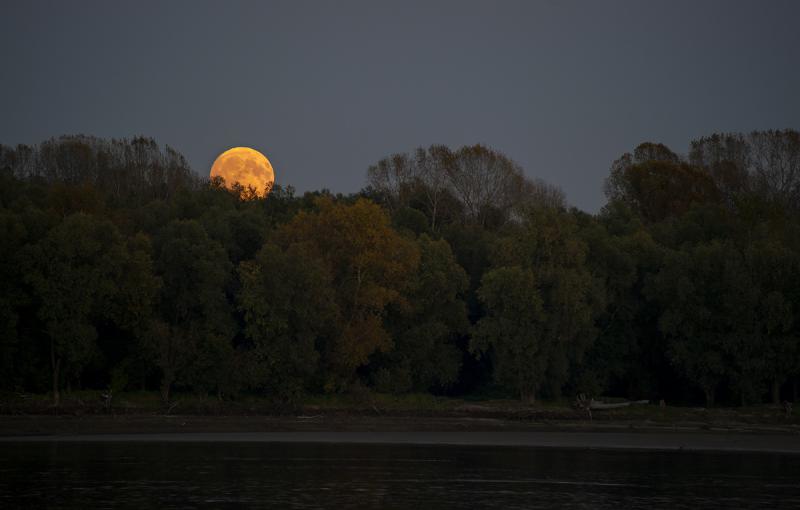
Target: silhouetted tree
425,355
74,271
369,265
289,306
191,336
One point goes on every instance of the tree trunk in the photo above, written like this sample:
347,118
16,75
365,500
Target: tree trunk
776,392
528,397
56,365
709,391
433,216
56,393
166,383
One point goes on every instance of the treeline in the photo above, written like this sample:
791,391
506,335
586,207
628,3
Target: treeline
122,169
451,272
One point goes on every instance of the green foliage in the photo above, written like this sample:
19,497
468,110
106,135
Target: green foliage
411,220
690,289
73,272
368,264
547,243
663,189
288,304
452,272
425,355
192,331
626,356
513,330
14,235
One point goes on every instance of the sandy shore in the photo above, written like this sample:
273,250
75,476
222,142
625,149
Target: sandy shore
680,441
394,430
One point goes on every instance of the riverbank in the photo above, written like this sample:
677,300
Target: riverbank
662,441
70,425
88,414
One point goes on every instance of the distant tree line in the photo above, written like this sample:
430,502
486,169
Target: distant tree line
451,272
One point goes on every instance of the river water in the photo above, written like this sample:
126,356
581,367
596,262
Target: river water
159,474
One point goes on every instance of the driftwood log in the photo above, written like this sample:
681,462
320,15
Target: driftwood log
587,404
595,404
581,402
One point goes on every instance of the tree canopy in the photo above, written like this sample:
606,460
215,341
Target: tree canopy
453,271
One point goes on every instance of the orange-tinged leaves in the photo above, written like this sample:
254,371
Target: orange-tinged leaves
370,265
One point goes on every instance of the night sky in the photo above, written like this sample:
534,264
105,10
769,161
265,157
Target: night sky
325,89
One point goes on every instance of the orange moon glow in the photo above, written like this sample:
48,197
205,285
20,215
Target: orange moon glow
246,166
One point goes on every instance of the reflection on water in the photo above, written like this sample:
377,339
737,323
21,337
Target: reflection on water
302,475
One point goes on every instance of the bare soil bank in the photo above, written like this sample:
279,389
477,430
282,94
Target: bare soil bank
66,425
87,414
175,430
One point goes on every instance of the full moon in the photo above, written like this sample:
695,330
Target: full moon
246,166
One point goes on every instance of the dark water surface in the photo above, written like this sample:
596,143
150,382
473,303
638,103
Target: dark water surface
399,476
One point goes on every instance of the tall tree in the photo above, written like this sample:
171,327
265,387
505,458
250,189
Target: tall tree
661,189
74,273
474,185
14,239
512,332
191,339
763,162
691,289
369,264
548,245
425,355
486,182
626,357
432,164
617,185
770,319
288,304
393,178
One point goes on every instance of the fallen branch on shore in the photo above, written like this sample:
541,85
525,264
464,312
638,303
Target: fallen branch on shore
587,404
596,404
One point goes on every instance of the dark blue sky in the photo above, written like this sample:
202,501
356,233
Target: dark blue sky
327,88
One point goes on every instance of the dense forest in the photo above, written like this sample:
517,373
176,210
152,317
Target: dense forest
451,272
